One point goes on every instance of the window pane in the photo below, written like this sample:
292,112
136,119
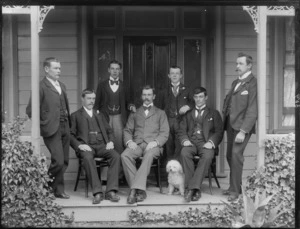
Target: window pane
288,114
106,53
192,62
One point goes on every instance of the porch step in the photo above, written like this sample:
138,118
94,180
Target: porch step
156,202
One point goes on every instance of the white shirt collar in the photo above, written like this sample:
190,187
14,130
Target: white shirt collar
90,112
151,104
111,78
54,82
175,84
202,107
245,75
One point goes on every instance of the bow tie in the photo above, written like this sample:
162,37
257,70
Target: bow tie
147,108
112,82
56,83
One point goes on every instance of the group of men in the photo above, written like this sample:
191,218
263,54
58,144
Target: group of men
178,118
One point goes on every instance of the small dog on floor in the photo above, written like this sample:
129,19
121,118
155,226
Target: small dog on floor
175,177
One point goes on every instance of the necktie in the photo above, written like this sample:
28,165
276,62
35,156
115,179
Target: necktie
175,89
112,82
239,82
199,111
56,83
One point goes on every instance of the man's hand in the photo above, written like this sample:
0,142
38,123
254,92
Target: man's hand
208,145
151,145
110,145
132,145
184,109
240,137
187,143
133,109
84,147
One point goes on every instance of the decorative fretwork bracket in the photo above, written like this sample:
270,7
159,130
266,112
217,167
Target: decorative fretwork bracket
271,11
43,11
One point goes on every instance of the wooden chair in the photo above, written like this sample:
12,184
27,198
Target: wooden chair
211,170
81,174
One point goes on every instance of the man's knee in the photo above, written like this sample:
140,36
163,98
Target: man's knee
185,152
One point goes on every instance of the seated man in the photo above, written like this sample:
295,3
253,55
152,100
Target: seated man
200,132
145,133
91,136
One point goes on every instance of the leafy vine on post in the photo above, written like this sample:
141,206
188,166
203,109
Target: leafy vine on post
25,196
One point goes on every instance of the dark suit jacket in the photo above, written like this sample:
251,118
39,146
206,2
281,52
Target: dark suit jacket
140,128
243,111
49,107
183,98
80,131
102,99
212,126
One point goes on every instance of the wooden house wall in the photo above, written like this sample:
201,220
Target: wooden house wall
240,36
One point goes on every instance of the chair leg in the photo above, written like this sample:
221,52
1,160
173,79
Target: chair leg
78,175
86,186
215,176
209,179
158,173
99,172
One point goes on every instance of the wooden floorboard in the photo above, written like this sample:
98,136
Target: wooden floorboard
157,202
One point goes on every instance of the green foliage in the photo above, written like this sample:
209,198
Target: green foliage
276,176
192,217
26,198
254,212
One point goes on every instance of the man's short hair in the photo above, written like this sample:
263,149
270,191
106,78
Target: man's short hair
175,66
115,62
198,90
87,91
148,87
248,58
48,60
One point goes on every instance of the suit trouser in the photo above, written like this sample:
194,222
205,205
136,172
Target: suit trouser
90,167
194,177
235,159
58,144
115,122
137,179
173,146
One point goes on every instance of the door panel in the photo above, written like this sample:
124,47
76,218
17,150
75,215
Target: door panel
147,61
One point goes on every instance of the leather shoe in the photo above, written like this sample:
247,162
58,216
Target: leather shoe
141,195
97,198
226,192
188,196
131,199
62,196
233,197
112,196
197,195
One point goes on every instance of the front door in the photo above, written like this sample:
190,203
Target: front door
147,61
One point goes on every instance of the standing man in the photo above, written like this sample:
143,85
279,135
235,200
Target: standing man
200,133
54,123
240,115
110,100
175,101
91,136
145,133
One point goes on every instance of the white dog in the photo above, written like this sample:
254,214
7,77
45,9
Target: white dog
175,177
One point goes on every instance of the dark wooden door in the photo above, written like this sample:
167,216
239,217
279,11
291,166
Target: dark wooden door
147,61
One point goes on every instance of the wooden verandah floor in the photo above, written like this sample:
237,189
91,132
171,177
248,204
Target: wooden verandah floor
156,202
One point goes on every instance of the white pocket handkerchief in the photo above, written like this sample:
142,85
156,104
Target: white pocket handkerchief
245,93
210,119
